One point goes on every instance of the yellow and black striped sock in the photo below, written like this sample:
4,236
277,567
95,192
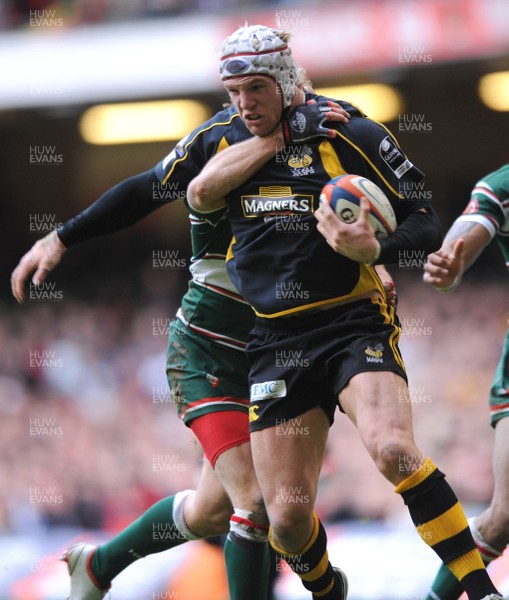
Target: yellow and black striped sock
312,564
441,523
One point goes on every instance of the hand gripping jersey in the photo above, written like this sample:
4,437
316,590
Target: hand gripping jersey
489,206
279,261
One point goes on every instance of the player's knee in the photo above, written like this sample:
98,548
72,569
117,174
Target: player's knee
394,458
291,526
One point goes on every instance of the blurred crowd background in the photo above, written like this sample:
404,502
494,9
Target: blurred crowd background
86,12
89,435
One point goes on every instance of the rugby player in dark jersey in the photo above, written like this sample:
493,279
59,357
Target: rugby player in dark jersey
318,299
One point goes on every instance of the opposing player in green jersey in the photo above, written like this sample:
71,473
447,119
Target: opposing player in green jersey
324,307
485,218
206,368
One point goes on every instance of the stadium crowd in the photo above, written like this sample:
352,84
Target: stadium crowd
91,437
74,13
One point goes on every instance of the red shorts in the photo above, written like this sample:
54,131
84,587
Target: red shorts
220,431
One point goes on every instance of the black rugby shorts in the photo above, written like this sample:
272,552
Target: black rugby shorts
300,362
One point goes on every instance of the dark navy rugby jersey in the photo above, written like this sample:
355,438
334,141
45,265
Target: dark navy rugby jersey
191,154
278,260
211,294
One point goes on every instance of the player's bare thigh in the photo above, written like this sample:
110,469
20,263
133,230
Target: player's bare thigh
288,466
378,404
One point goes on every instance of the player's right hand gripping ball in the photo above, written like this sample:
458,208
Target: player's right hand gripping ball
306,122
344,195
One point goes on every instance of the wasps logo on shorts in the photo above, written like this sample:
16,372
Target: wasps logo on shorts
375,354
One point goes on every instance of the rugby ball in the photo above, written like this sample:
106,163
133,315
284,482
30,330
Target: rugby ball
344,194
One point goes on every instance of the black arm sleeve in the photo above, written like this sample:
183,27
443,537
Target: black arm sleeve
121,206
421,232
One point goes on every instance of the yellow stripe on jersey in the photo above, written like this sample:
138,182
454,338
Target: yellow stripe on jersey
189,142
368,280
291,311
223,144
229,252
372,165
330,160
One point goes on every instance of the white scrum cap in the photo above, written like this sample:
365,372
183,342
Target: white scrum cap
258,50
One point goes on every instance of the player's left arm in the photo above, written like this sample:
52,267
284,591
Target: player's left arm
367,148
419,229
461,247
